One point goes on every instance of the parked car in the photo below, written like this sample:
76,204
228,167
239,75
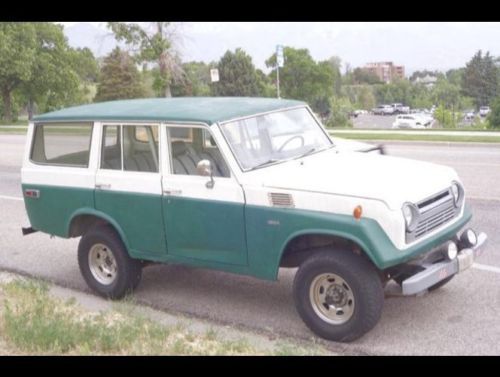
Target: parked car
383,110
248,186
408,121
484,111
469,115
399,108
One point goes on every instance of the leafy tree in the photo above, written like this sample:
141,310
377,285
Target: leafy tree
480,79
55,79
302,78
340,109
363,76
153,44
18,48
196,80
119,78
454,76
265,84
237,75
494,116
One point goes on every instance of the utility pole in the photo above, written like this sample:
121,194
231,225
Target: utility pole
279,63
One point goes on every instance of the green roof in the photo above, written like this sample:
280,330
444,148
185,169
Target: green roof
181,109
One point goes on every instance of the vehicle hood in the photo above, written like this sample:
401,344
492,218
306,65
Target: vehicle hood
393,180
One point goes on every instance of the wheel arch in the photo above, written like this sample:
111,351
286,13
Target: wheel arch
294,250
85,218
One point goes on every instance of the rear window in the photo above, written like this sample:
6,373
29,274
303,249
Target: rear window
62,144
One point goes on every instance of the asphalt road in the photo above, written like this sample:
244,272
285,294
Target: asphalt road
461,318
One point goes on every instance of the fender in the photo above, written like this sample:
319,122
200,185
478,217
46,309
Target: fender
102,215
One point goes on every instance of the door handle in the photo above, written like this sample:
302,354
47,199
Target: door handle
172,192
102,186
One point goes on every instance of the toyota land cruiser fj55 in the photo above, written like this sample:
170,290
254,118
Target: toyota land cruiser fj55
245,185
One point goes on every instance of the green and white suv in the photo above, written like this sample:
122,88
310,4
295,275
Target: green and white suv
245,185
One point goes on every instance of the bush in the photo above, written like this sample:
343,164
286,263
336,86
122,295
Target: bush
494,117
339,113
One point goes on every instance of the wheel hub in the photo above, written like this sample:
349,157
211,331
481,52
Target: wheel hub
102,264
332,298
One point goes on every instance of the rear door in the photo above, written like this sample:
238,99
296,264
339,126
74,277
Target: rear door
128,186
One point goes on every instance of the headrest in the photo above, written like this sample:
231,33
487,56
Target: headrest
179,147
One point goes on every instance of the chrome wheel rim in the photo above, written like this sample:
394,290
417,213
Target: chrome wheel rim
102,264
332,298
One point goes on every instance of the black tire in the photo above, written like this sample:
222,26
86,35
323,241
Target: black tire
128,270
440,284
360,276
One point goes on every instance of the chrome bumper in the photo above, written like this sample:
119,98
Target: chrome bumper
434,273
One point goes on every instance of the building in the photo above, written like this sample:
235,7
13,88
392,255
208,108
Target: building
386,71
427,80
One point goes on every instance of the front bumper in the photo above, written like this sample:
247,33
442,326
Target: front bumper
436,272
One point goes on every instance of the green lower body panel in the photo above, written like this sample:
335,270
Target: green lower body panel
52,211
206,230
140,218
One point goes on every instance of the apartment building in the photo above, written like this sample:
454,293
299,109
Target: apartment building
386,71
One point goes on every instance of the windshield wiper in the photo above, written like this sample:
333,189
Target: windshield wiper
314,150
268,162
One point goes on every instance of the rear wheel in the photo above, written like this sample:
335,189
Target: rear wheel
105,264
338,294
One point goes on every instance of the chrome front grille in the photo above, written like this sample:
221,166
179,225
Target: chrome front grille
434,212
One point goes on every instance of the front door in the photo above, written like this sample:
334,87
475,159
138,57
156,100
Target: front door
128,187
203,220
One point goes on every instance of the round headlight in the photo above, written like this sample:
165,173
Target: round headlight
410,214
452,250
468,238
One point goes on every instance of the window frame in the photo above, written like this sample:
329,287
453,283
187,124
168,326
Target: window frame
202,126
33,142
120,125
230,147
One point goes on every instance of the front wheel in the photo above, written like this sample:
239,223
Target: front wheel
338,295
105,264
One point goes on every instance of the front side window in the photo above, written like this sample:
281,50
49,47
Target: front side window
189,145
274,137
62,144
130,148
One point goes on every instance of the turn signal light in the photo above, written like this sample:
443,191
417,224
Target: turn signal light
358,211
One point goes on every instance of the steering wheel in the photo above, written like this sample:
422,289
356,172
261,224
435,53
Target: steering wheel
292,138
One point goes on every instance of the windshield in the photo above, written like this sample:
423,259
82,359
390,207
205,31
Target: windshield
274,137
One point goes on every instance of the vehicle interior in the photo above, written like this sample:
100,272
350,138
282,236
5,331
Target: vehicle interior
191,145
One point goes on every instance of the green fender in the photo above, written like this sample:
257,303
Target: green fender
102,215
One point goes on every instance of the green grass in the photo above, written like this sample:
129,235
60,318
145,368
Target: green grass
34,322
415,137
19,122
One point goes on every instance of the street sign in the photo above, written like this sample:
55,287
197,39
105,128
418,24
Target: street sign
214,74
279,56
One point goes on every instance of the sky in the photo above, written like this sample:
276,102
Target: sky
416,45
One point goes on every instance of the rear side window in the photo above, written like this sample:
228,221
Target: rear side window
62,144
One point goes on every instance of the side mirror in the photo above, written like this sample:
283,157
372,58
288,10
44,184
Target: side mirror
204,168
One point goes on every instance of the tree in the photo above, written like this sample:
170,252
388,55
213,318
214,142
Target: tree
364,76
119,78
196,80
55,79
494,116
480,79
152,44
237,75
304,79
17,57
